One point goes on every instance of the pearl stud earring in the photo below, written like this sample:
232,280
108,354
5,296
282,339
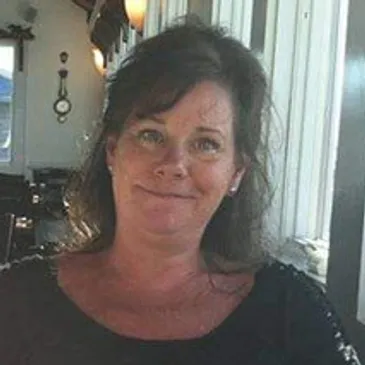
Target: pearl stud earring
232,191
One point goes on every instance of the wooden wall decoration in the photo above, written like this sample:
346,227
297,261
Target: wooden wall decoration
109,26
62,106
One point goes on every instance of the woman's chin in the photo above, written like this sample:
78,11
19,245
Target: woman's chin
161,218
164,225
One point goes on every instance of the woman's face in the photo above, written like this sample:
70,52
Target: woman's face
171,170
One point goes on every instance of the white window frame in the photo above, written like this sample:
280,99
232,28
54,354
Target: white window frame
235,15
304,58
314,120
308,115
170,10
17,160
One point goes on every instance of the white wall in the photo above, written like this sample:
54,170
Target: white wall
59,26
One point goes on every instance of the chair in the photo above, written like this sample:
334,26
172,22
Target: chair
7,225
14,195
49,187
16,209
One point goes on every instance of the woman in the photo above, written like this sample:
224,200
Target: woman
165,263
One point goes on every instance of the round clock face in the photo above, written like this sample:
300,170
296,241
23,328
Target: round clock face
62,106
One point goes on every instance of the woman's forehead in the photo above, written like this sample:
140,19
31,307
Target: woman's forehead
206,100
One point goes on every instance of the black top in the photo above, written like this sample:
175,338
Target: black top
285,320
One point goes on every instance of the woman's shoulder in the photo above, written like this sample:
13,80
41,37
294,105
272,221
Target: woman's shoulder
300,299
16,267
279,269
24,276
27,294
275,281
283,277
309,320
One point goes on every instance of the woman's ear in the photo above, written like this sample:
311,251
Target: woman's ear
238,176
111,150
236,181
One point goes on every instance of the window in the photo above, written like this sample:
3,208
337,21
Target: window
12,108
307,73
313,118
301,44
7,54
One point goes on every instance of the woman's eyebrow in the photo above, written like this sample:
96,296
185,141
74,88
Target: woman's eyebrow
209,129
152,118
200,129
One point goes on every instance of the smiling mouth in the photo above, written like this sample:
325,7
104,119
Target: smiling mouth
166,195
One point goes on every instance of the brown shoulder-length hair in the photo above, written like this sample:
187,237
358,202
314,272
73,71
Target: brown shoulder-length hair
157,73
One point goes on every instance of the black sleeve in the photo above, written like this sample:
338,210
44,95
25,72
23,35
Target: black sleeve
313,332
12,341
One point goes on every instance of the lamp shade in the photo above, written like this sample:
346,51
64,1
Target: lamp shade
136,10
99,60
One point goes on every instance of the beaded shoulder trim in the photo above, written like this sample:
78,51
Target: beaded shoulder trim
9,265
343,346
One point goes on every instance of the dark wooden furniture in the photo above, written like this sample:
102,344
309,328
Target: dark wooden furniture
7,225
24,205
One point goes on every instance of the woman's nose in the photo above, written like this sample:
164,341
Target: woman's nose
173,164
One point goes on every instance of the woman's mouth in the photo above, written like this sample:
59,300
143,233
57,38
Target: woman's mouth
167,194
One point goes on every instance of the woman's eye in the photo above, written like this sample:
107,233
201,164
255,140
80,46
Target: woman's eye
150,136
207,145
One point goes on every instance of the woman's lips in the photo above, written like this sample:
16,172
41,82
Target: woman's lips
166,194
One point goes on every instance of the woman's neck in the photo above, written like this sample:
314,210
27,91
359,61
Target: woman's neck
149,266
159,260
